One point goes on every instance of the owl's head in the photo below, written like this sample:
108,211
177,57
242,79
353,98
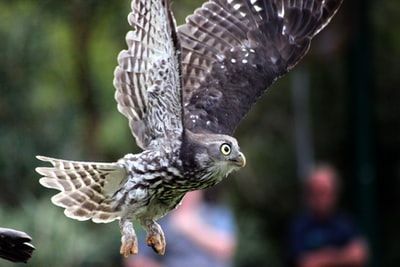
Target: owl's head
212,155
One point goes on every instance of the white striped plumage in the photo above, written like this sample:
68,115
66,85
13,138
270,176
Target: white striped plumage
148,90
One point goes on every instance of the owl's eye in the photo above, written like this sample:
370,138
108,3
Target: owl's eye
225,149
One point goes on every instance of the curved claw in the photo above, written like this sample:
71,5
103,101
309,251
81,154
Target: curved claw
129,239
128,247
157,242
155,236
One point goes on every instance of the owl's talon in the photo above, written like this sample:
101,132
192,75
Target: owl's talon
129,247
155,236
157,242
129,240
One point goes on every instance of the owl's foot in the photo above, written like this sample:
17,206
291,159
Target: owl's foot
129,247
155,236
157,242
129,240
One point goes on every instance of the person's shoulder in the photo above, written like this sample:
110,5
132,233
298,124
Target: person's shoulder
346,223
219,216
301,220
343,218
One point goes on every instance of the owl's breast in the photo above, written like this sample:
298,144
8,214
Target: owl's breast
152,188
150,203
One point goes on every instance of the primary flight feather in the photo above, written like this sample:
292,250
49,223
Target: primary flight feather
184,91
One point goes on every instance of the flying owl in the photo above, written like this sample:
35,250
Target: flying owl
184,91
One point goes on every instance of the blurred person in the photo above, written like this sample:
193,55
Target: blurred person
321,236
200,233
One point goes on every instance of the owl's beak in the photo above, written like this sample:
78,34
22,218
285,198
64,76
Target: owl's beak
241,160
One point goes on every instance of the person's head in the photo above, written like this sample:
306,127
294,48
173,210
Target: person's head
192,200
322,190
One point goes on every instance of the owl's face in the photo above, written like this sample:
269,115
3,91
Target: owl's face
224,152
224,156
218,154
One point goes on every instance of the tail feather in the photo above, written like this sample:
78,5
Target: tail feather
86,187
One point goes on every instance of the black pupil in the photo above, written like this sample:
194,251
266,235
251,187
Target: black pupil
226,148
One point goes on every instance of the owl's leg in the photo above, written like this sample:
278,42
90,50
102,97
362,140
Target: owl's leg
155,236
129,239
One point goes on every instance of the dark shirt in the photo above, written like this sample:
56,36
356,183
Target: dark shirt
309,234
183,252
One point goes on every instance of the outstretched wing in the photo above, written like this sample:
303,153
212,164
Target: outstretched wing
232,50
148,90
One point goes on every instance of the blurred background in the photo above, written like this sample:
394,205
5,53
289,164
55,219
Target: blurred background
340,105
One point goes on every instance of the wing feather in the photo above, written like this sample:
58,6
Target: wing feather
86,188
233,50
148,89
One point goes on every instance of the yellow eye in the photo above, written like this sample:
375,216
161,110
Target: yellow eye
225,149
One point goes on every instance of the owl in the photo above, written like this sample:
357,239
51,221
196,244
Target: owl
184,91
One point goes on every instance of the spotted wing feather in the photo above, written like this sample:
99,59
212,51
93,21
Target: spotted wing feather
233,50
86,188
148,90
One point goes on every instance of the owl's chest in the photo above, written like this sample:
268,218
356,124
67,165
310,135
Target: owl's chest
152,188
161,204
149,202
